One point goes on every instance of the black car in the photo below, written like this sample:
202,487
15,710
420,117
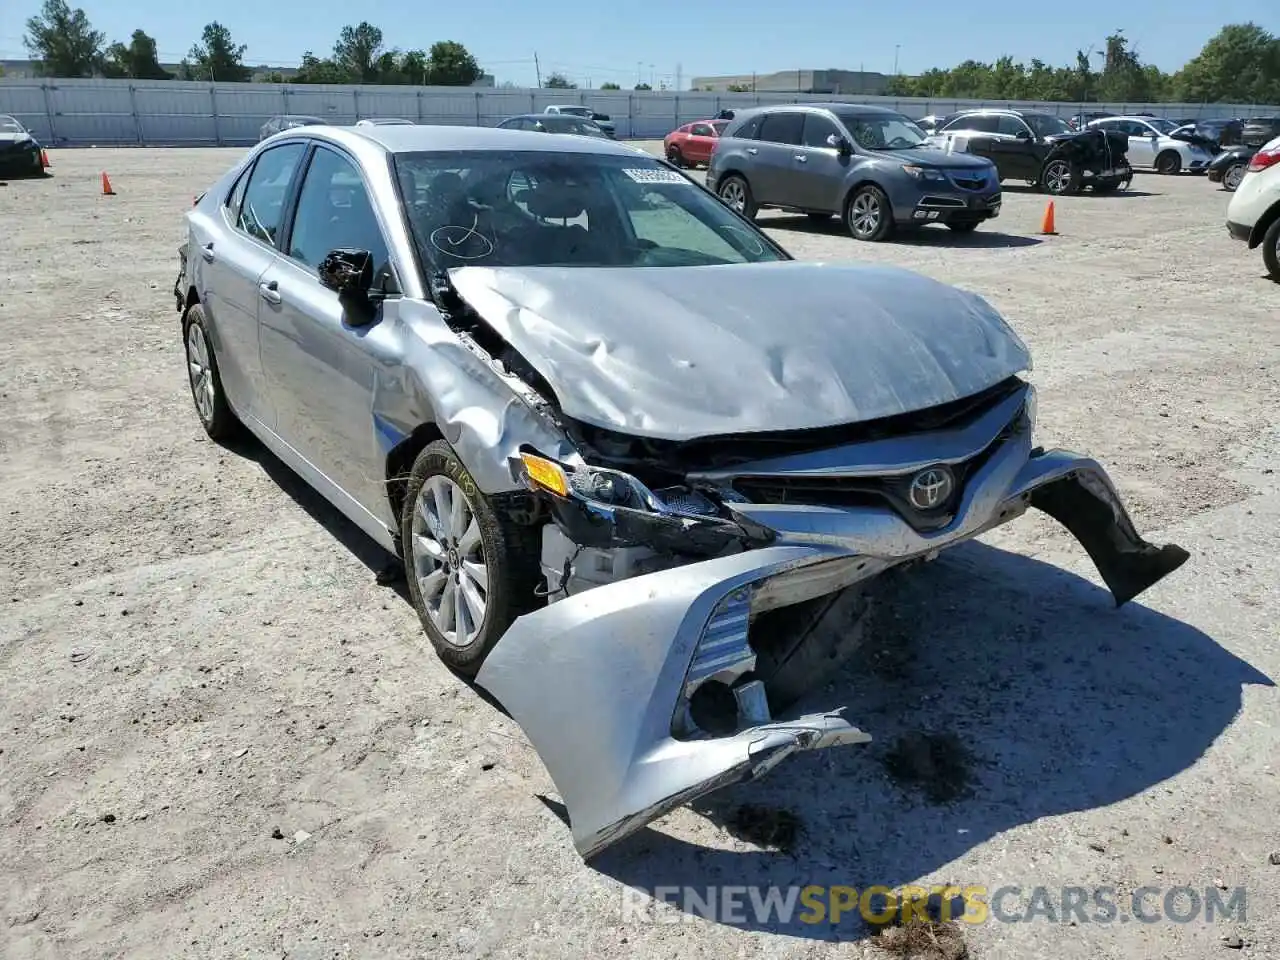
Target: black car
554,123
19,149
1228,167
1040,148
1213,135
1259,131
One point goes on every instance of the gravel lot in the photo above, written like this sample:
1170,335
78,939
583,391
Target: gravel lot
194,653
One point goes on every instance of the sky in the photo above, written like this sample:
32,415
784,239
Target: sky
656,41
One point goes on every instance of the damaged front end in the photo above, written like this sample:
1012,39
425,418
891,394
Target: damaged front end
688,617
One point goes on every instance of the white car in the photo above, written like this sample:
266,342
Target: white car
1254,212
385,122
1151,147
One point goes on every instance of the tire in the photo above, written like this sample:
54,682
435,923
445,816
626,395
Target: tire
676,157
202,375
1232,176
1271,249
735,192
477,557
963,226
1060,178
1168,163
868,215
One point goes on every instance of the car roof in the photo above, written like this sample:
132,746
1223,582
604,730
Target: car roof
427,138
1001,111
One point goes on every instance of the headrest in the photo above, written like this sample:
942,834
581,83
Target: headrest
554,201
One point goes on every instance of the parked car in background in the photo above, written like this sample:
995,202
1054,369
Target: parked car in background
385,122
1081,120
693,144
930,123
1039,148
1257,131
1213,135
287,121
19,150
642,467
1229,166
1152,146
577,110
1253,215
870,166
554,123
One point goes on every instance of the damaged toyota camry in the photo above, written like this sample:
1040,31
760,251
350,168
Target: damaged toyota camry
640,464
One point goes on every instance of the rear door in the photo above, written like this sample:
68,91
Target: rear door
772,178
317,349
233,259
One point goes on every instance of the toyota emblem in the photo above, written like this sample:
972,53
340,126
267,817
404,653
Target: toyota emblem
930,488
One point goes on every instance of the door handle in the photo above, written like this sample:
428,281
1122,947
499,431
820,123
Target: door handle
752,150
207,252
802,158
270,291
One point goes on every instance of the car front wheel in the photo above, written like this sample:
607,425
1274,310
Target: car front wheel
471,569
868,214
1231,179
1060,178
1168,163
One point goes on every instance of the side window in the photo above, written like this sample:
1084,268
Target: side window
236,197
816,130
334,211
750,130
1010,126
782,127
263,204
702,130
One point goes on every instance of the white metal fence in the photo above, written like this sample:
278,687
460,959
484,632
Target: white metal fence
198,113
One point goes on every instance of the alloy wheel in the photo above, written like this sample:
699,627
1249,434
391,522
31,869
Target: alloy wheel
1231,179
732,193
1057,176
865,214
449,561
200,372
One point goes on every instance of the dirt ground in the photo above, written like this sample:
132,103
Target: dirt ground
219,737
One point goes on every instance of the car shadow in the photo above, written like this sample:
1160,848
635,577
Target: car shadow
983,237
1022,188
1054,702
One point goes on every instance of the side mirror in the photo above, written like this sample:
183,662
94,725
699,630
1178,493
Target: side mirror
840,143
348,272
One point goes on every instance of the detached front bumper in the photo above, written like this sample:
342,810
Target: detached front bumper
602,682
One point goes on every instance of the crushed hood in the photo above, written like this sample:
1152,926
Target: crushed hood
683,352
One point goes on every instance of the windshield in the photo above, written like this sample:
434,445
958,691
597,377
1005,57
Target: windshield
1047,125
543,208
883,131
10,125
1161,124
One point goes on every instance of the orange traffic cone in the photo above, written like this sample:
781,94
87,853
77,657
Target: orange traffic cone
106,185
1046,225
44,159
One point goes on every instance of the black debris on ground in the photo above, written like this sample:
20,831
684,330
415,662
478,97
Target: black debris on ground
770,827
939,764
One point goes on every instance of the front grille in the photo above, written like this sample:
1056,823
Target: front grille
931,201
862,491
969,183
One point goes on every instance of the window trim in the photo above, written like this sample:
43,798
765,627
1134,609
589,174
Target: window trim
834,125
290,192
786,114
285,238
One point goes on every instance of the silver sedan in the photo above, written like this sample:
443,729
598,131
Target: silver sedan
639,463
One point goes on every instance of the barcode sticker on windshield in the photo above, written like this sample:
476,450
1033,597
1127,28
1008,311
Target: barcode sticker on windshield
657,175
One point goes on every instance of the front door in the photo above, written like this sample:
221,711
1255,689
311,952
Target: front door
318,350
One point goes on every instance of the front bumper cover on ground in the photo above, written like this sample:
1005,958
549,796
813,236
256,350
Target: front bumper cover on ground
595,680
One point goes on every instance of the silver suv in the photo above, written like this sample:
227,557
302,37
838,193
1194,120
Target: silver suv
871,166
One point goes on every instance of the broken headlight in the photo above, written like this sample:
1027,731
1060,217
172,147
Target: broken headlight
603,487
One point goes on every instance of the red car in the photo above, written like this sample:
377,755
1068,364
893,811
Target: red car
692,144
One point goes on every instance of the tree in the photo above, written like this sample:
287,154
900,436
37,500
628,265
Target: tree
609,85
558,81
450,64
733,87
357,51
643,86
216,57
138,60
63,41
1241,64
314,70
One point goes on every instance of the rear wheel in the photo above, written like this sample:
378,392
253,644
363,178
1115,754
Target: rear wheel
868,214
736,194
1271,250
1233,175
676,157
1168,162
206,384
